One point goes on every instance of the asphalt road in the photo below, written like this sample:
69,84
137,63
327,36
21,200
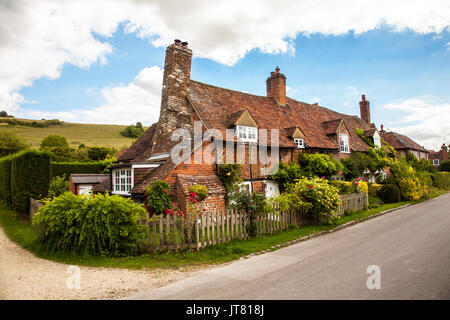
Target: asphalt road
411,247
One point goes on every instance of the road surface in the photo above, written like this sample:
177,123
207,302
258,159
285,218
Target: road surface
411,247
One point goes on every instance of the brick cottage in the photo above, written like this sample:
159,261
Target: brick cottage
302,128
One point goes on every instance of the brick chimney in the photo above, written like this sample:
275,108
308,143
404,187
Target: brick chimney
175,112
364,107
276,86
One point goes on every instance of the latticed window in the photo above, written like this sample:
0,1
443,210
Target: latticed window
343,143
123,181
300,143
247,133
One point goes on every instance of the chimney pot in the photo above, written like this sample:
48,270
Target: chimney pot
363,97
277,69
184,45
381,126
177,42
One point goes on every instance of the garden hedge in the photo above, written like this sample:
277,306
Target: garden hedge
30,177
441,180
66,168
5,179
389,193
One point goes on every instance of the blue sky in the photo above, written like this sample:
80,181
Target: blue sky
110,72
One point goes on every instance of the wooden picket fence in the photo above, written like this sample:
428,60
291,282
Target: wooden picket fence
173,233
353,202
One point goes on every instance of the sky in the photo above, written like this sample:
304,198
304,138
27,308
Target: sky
102,61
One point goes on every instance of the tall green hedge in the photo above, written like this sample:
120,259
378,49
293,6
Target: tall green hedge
30,177
67,168
441,180
5,179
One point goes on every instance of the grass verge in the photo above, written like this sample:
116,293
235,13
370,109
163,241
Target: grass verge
22,232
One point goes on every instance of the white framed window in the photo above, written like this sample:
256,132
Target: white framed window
300,143
343,143
249,134
246,185
436,162
122,181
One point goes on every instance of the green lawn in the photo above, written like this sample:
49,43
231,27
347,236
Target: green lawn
22,232
103,135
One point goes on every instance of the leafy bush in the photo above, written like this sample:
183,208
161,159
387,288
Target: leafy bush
253,203
5,180
55,144
362,186
314,197
10,144
286,174
158,199
100,153
422,165
445,166
58,185
30,177
344,187
133,131
200,190
229,176
103,225
358,162
413,185
373,189
319,165
389,193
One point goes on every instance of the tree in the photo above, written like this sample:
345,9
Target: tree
445,166
3,113
56,144
10,143
133,131
100,153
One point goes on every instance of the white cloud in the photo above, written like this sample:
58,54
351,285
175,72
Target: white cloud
426,121
38,37
138,101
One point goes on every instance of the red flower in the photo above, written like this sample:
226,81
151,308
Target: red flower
174,203
193,195
310,186
356,182
167,210
204,209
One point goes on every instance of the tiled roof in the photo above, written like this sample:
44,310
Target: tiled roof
399,141
141,149
211,182
103,186
216,106
78,178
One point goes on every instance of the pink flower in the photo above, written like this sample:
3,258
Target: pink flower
356,182
323,177
310,186
359,179
340,173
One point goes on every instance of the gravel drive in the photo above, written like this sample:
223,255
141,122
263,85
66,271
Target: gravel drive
24,276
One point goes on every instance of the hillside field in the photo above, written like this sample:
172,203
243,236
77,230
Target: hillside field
104,135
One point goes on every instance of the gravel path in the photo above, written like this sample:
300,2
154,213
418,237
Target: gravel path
24,276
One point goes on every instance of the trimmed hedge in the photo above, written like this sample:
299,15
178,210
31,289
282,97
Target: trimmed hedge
374,188
58,169
30,177
344,187
389,193
5,179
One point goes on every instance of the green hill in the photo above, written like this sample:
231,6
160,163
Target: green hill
104,135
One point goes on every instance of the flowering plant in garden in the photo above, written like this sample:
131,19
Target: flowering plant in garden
314,197
174,210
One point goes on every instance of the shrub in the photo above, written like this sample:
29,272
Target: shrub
55,144
363,186
10,144
58,185
319,164
286,174
389,193
133,131
253,203
229,176
445,166
413,185
314,197
30,177
158,199
100,153
373,189
344,187
103,225
200,190
5,179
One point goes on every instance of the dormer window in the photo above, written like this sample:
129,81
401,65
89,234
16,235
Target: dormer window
343,143
249,134
300,143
